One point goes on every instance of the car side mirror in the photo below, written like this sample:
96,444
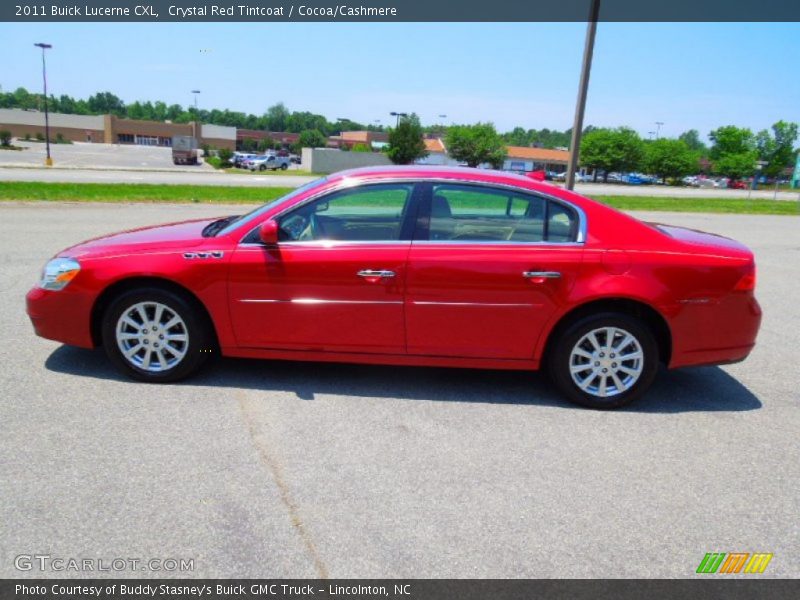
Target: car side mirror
268,232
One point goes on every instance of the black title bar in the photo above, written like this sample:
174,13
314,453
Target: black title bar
707,588
396,11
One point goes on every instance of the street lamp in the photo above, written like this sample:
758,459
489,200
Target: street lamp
48,161
194,121
398,115
658,127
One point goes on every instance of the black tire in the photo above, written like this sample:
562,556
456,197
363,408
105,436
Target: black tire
284,166
560,358
262,168
196,350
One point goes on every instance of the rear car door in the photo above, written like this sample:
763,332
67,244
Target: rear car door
335,280
487,269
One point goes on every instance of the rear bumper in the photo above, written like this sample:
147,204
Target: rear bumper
60,316
721,332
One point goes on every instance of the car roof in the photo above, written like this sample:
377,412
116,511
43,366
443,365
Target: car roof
443,172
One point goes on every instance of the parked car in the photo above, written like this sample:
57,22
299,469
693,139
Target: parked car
737,184
504,272
239,158
269,161
579,177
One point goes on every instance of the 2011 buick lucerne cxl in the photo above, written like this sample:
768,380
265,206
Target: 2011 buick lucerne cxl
412,266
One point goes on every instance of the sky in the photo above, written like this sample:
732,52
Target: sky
686,75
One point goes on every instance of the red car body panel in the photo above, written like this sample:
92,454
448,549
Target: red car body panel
456,304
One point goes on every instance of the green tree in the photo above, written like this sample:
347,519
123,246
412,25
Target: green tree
276,117
105,103
312,138
619,149
670,158
736,166
476,144
405,141
225,156
777,149
733,152
5,138
362,148
730,140
692,139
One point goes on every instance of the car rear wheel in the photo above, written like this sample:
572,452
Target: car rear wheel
604,361
284,166
156,336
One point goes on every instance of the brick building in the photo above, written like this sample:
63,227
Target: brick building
110,129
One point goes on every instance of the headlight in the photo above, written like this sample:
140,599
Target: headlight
58,273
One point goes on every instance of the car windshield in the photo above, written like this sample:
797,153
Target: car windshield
252,215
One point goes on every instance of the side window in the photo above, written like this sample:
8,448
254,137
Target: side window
366,213
474,214
562,224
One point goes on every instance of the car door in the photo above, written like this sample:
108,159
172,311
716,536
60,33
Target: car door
335,280
487,269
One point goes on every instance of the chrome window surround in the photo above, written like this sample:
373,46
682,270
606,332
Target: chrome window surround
580,238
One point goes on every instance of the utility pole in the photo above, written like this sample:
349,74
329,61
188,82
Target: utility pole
583,87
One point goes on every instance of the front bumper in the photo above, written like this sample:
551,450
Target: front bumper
61,316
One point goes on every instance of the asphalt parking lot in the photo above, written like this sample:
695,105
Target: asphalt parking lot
81,155
271,469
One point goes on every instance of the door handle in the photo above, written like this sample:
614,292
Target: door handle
372,274
541,275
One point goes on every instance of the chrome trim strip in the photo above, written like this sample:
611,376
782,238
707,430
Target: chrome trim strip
541,274
349,183
312,301
494,243
496,304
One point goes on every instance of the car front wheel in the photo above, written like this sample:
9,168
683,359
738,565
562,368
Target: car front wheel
155,335
604,361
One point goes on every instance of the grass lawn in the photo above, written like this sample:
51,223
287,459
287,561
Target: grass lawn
703,205
286,173
136,192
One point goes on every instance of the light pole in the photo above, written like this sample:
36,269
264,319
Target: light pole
651,134
48,161
398,115
443,117
658,127
194,121
583,88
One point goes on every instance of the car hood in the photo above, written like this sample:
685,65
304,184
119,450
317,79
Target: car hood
185,234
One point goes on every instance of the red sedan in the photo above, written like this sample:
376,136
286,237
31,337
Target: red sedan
412,266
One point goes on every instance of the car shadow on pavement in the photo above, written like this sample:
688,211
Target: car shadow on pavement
685,390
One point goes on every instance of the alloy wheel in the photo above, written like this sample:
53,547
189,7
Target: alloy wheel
606,362
152,336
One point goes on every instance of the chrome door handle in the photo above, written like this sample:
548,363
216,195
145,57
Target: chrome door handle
541,274
371,273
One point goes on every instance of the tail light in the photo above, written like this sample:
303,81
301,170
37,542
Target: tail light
747,283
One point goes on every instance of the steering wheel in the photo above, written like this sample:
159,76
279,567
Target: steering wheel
295,226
